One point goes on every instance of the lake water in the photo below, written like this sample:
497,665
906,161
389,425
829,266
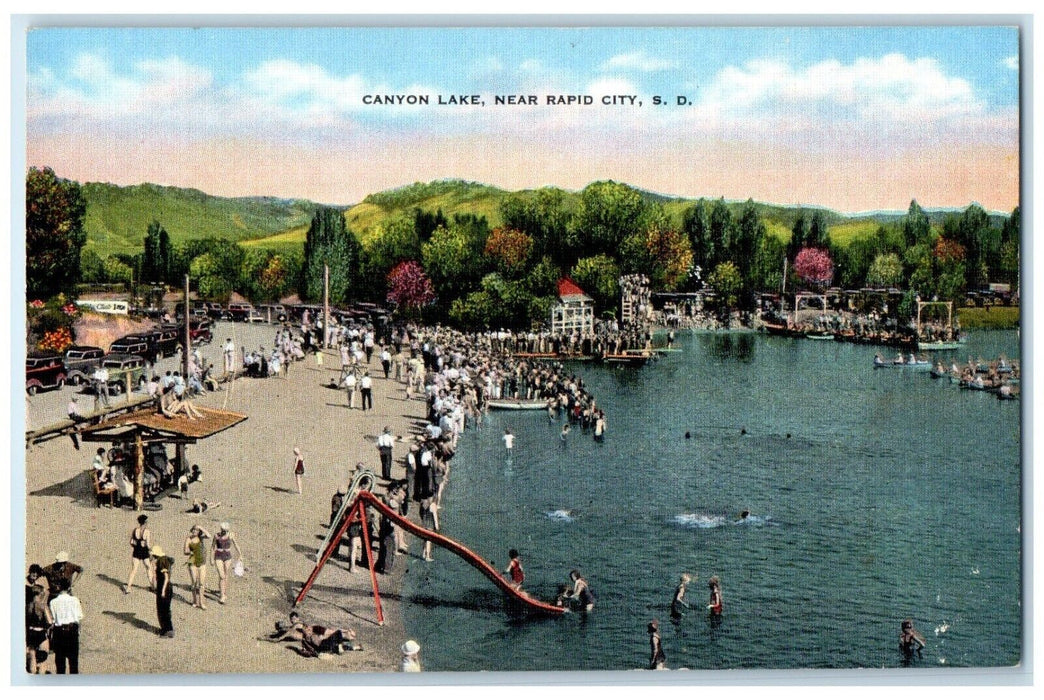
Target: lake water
896,495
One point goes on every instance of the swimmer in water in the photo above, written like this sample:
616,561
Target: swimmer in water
715,605
744,514
743,430
656,656
688,435
509,440
910,641
565,431
581,591
678,602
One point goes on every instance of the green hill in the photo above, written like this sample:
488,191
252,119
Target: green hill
118,217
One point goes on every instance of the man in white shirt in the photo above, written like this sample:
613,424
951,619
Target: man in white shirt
101,386
230,358
385,442
366,384
65,635
349,384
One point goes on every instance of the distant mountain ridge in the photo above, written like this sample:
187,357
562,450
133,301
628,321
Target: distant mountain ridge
118,216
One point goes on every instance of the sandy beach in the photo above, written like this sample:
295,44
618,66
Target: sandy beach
248,468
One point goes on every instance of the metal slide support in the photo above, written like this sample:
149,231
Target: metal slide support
369,560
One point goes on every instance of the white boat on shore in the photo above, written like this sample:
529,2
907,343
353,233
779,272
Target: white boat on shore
517,404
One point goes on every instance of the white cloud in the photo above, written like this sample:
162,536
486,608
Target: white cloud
638,60
881,97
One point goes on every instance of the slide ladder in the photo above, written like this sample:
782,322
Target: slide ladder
362,481
357,510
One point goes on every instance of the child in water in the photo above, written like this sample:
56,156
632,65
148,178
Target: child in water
715,605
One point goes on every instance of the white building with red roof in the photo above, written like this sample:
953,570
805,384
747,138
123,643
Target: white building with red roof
575,310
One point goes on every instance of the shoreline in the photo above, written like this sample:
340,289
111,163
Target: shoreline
247,469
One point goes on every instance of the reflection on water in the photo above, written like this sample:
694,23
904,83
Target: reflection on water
729,346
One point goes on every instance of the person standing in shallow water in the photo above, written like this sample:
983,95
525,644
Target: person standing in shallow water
715,605
910,642
678,602
656,656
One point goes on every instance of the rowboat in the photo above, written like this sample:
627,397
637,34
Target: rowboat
517,404
626,359
918,364
819,336
941,345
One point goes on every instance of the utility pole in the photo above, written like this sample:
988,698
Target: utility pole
186,348
326,304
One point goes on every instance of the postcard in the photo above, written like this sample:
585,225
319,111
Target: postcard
371,349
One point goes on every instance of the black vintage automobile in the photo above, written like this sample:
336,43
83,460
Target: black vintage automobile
80,363
44,371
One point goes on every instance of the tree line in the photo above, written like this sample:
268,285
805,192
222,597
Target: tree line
462,270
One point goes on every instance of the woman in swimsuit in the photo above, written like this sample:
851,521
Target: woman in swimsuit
581,591
141,543
38,621
910,642
197,563
678,602
298,467
221,553
656,656
715,604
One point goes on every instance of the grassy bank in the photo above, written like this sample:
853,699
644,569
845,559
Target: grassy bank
993,318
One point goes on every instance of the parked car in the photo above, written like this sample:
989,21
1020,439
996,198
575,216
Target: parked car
277,312
253,316
215,311
152,345
118,366
239,311
44,372
200,331
80,363
130,345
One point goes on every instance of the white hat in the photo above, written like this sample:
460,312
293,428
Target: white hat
61,557
157,551
410,647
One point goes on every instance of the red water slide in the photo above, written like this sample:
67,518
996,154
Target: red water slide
357,510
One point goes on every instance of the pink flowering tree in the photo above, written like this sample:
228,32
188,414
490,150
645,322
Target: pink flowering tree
409,288
814,266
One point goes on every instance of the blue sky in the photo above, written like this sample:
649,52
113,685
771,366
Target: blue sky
770,108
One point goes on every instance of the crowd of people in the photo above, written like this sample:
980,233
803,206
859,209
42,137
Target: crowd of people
455,373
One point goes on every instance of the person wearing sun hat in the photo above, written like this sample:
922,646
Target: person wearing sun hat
61,574
410,660
164,590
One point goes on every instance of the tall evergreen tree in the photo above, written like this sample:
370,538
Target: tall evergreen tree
696,225
916,227
817,232
330,242
798,236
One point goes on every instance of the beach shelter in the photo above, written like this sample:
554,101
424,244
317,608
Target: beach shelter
148,425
